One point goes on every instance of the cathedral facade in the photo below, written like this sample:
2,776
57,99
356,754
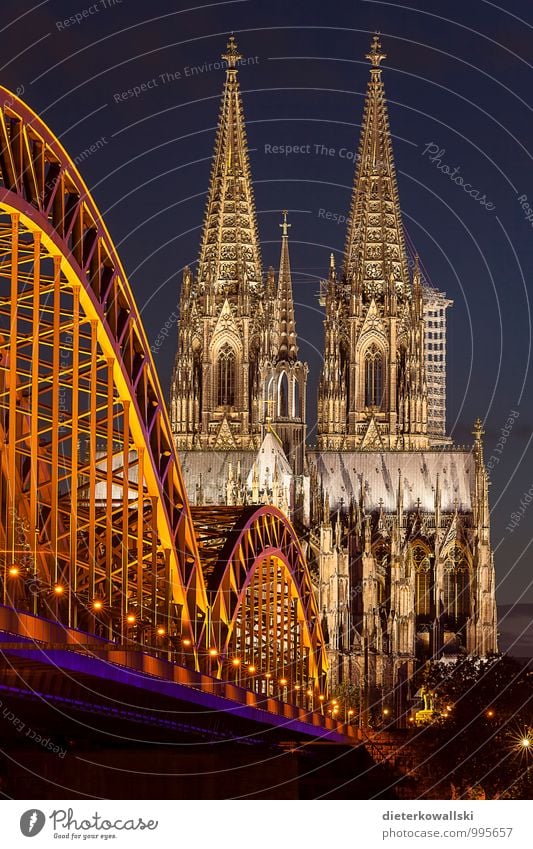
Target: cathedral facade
394,517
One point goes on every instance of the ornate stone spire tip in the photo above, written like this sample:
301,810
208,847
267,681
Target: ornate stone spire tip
285,225
232,54
478,431
375,56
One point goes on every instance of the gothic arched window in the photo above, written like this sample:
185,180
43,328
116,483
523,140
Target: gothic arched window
373,377
423,581
283,402
226,377
456,588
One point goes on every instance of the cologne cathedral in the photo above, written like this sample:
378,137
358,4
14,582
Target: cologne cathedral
394,518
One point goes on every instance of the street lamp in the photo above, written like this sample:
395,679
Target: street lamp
236,663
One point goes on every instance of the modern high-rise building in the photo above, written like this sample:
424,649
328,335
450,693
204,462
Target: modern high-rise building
395,518
435,304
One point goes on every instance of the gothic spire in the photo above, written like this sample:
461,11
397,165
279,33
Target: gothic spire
230,253
375,252
285,323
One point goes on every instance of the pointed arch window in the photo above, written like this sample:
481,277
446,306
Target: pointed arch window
296,400
226,377
283,405
373,377
456,588
423,581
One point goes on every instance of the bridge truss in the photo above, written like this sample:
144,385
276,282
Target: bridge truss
95,528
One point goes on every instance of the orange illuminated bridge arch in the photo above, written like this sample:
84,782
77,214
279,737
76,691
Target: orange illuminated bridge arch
95,528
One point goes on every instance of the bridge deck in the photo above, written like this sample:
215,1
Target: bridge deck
32,644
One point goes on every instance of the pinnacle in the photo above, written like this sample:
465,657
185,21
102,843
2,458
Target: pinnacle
286,325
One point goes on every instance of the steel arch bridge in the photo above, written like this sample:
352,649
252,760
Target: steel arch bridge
96,532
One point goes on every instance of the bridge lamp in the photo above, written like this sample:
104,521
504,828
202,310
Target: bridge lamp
236,661
130,618
525,742
161,632
309,692
296,686
186,642
97,604
213,652
251,669
386,711
59,589
14,571
490,713
268,675
334,702
350,713
321,697
282,681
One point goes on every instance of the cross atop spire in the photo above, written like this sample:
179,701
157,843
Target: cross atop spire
375,56
284,226
232,55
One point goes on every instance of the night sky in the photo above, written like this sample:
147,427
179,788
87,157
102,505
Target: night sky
458,77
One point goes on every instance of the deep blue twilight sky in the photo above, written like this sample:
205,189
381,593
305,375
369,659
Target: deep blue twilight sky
458,76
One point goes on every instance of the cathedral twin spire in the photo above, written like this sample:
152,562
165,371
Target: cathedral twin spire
242,329
375,258
230,251
236,368
373,394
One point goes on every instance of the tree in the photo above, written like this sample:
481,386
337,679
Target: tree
347,695
482,737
